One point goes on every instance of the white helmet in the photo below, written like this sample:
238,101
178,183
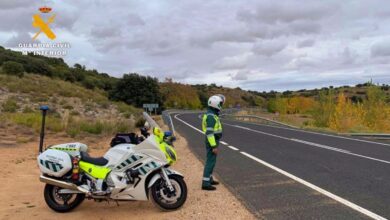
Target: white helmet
222,97
216,101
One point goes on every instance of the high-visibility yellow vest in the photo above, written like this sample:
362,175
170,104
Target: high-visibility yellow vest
210,131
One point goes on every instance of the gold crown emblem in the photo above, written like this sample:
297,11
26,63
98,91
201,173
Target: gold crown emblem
45,9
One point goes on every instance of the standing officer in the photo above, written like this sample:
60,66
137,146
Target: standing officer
211,125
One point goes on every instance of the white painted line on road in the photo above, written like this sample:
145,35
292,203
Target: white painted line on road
320,145
231,147
260,132
224,143
318,189
314,187
323,134
238,126
370,158
312,144
188,124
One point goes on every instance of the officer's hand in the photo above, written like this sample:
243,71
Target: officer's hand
215,150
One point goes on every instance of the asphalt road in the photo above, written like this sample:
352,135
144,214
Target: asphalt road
283,173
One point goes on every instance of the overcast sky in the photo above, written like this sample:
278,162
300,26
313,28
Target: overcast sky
257,45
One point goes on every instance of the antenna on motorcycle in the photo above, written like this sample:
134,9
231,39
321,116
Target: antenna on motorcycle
44,110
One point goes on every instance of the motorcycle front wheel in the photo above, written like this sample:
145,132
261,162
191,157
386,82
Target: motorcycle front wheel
61,202
166,200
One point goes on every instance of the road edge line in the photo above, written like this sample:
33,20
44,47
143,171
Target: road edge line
316,188
233,148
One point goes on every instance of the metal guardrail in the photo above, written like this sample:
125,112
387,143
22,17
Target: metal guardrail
258,118
369,135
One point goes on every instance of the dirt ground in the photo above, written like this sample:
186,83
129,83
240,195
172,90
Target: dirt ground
21,192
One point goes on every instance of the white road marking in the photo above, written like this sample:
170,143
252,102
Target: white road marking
314,187
238,126
323,134
196,129
260,132
320,145
231,147
318,189
188,124
312,144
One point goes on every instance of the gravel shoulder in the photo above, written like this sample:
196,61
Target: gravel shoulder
21,192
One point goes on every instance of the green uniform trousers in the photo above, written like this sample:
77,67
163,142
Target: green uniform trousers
210,164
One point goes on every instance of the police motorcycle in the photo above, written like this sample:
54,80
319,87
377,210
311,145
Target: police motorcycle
126,172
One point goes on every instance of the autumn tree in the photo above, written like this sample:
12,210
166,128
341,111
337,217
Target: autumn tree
346,115
176,95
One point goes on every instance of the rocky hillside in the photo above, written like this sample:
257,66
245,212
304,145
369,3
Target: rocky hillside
75,110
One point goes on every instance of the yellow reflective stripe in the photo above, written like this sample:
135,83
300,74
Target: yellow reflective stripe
211,140
204,123
218,126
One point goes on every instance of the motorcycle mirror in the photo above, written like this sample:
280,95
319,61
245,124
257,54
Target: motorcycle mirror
147,125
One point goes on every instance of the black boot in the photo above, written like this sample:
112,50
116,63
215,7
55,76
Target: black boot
213,182
209,188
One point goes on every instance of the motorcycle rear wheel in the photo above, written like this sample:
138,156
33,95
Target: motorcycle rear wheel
61,202
163,199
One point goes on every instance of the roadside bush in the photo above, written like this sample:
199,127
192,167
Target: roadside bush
10,105
69,107
33,120
376,116
13,68
325,108
140,123
77,126
91,127
27,110
346,115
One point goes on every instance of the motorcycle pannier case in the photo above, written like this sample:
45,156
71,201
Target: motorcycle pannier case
54,162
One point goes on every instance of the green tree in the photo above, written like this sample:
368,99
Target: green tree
89,83
135,89
13,68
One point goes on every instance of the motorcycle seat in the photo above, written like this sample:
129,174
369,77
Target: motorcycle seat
99,161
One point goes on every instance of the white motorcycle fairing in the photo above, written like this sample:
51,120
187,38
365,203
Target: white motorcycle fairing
145,157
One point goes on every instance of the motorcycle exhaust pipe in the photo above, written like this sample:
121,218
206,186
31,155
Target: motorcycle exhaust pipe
62,184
